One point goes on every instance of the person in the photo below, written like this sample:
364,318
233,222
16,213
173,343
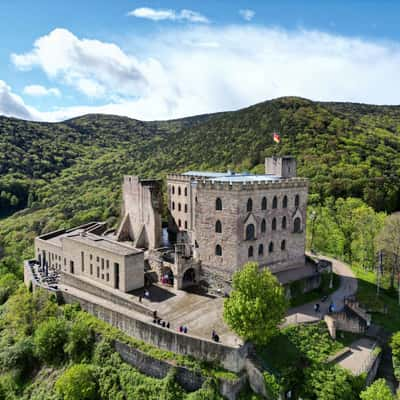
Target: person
155,314
181,329
216,338
317,307
163,324
185,330
213,333
147,294
168,325
140,299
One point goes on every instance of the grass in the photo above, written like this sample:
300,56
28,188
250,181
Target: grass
316,294
298,346
367,296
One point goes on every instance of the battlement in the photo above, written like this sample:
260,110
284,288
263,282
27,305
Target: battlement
254,185
134,180
181,177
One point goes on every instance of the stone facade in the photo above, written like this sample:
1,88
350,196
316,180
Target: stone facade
230,219
141,211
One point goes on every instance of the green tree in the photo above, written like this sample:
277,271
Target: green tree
8,285
77,383
395,345
379,390
256,305
80,341
50,338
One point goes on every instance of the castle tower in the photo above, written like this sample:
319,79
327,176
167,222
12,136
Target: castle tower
284,167
141,211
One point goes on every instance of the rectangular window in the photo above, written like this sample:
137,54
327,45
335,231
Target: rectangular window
91,269
108,264
97,258
91,256
83,261
98,272
116,275
102,263
108,277
102,276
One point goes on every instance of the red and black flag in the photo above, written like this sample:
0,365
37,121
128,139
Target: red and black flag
277,137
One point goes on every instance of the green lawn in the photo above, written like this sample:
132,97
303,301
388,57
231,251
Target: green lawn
367,295
316,294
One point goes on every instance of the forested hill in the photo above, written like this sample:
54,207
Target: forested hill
66,173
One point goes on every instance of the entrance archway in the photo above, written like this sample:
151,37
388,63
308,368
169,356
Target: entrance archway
189,277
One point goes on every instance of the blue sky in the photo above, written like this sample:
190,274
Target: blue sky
167,59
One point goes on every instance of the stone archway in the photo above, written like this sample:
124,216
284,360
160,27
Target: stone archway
189,278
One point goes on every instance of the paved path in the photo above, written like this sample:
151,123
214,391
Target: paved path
359,357
348,287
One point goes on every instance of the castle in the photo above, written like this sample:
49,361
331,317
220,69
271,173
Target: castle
216,223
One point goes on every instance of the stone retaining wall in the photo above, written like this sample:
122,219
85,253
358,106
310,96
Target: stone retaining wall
232,358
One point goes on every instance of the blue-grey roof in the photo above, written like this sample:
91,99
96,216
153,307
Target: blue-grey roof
232,176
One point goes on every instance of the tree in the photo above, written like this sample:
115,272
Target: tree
49,340
395,345
77,383
256,305
388,240
8,285
379,390
80,341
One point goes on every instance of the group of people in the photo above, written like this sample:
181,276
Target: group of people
183,329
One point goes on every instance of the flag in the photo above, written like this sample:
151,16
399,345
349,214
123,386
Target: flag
277,138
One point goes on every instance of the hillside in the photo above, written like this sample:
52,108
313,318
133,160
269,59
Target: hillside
61,174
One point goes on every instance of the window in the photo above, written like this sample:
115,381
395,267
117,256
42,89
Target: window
102,276
297,200
98,272
284,223
263,226
179,191
261,249
271,247
283,245
91,269
108,264
218,204
173,189
97,258
108,277
186,225
297,225
186,208
249,205
274,224
179,223
179,207
173,205
218,227
102,263
275,202
250,232
284,202
264,203
218,250
91,256
83,261
185,191
250,251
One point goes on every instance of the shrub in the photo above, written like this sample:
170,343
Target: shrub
77,383
50,338
80,342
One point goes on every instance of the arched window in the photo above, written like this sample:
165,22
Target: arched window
264,203
261,249
249,205
271,247
218,250
179,190
186,208
274,224
284,223
179,223
250,251
275,202
218,227
218,204
284,202
185,191
297,200
179,206
173,189
186,225
173,205
283,245
263,226
250,232
297,225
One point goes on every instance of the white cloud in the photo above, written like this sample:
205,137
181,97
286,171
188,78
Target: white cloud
93,67
172,15
11,105
39,91
206,69
247,14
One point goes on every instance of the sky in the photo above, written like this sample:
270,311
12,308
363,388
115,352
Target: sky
155,60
